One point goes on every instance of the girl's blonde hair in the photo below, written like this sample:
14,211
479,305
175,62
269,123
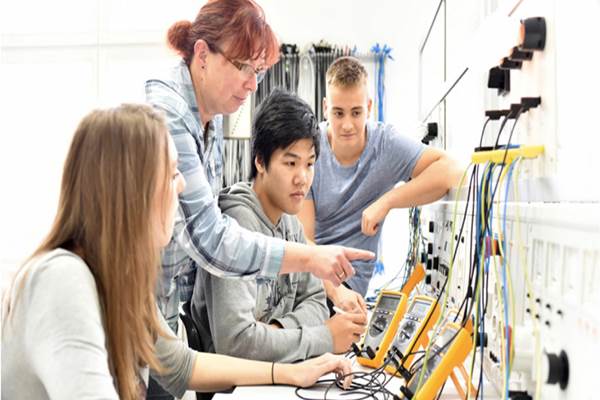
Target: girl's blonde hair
106,214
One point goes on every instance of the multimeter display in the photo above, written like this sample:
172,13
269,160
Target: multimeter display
419,308
389,303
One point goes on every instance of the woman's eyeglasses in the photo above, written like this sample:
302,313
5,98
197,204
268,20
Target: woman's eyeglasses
246,69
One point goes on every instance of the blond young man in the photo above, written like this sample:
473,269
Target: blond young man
355,177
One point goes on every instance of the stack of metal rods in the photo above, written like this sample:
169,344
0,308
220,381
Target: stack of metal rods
284,74
236,157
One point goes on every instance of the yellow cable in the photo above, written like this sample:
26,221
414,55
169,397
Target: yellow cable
510,300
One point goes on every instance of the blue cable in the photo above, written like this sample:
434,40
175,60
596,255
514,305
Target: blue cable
484,232
479,247
379,268
381,53
487,233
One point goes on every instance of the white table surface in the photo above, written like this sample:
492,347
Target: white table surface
288,392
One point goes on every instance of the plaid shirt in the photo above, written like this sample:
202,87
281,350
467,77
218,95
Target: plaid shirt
202,236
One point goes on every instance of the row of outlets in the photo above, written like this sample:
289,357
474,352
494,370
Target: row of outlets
558,247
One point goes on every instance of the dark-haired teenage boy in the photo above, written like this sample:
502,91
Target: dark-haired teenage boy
286,319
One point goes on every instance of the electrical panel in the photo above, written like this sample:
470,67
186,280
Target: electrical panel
538,253
554,259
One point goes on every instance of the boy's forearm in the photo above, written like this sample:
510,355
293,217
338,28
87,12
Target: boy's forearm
431,185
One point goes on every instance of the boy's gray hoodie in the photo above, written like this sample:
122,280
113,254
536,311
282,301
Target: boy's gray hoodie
234,314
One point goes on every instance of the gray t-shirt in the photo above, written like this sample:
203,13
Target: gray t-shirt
54,344
342,193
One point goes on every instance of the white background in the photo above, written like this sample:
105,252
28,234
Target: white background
60,59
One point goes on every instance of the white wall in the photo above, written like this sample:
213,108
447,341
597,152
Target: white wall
60,59
360,23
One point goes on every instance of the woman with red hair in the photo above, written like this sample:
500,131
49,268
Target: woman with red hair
224,53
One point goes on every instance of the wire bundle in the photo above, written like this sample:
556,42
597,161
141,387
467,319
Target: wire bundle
416,244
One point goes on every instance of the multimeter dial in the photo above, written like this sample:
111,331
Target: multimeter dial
378,327
408,329
410,324
381,319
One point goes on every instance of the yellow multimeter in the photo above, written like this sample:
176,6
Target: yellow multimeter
413,332
449,351
387,314
452,316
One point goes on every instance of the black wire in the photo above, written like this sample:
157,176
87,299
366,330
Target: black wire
503,164
486,212
375,374
491,202
374,385
504,121
487,209
483,131
475,265
469,286
441,391
474,269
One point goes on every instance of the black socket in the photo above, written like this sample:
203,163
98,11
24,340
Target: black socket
432,132
507,63
558,369
496,114
533,34
530,102
515,108
499,78
520,55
